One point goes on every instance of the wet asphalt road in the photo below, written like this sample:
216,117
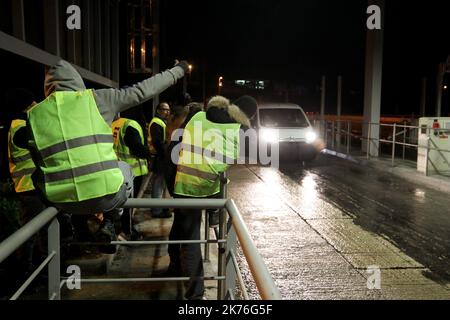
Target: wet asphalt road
352,216
415,219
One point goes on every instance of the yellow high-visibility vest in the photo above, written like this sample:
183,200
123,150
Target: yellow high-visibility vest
74,148
21,166
163,125
139,166
207,150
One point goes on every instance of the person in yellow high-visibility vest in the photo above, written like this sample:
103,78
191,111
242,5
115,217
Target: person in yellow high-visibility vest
130,147
211,143
21,166
71,141
156,143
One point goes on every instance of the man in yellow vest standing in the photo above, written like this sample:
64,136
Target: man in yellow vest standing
130,147
21,167
156,142
211,144
70,138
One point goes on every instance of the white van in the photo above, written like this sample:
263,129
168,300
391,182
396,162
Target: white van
287,125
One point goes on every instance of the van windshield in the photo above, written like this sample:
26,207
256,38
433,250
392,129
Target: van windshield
282,118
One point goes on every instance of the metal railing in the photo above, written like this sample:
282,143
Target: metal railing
229,230
332,133
11,244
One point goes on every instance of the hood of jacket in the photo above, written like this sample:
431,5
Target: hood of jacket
221,110
62,77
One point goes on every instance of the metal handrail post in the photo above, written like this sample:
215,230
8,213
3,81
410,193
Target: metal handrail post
206,215
349,136
333,135
404,139
231,273
54,276
393,144
221,268
339,134
428,153
369,133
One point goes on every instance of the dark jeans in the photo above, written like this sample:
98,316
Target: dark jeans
31,205
186,259
126,219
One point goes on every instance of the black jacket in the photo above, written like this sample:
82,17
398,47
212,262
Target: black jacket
133,141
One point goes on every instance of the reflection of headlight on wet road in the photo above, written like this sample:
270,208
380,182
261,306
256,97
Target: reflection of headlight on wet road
311,137
269,135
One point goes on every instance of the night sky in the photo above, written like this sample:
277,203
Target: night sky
298,41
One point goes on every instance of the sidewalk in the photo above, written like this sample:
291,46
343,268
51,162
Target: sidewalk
405,169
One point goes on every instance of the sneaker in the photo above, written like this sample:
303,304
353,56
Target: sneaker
162,215
106,233
213,218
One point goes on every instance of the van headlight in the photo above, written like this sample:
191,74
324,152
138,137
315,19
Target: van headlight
311,137
269,135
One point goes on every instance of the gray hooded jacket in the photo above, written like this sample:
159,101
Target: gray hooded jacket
64,77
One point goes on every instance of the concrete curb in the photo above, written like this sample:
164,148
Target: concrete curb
441,184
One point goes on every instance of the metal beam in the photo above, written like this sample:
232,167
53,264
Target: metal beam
373,84
87,34
51,27
28,51
323,88
72,46
115,72
339,111
98,37
18,19
155,51
106,28
423,100
339,96
439,84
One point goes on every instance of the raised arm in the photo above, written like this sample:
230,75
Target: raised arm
112,101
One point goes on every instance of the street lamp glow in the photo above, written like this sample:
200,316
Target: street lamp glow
445,87
220,85
190,67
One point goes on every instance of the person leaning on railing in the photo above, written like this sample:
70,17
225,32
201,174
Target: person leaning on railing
21,167
130,147
201,179
70,138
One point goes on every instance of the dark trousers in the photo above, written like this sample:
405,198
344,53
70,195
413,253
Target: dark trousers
31,206
126,219
186,259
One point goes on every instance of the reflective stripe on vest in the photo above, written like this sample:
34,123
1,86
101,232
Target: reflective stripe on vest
21,165
163,125
207,150
138,166
74,148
